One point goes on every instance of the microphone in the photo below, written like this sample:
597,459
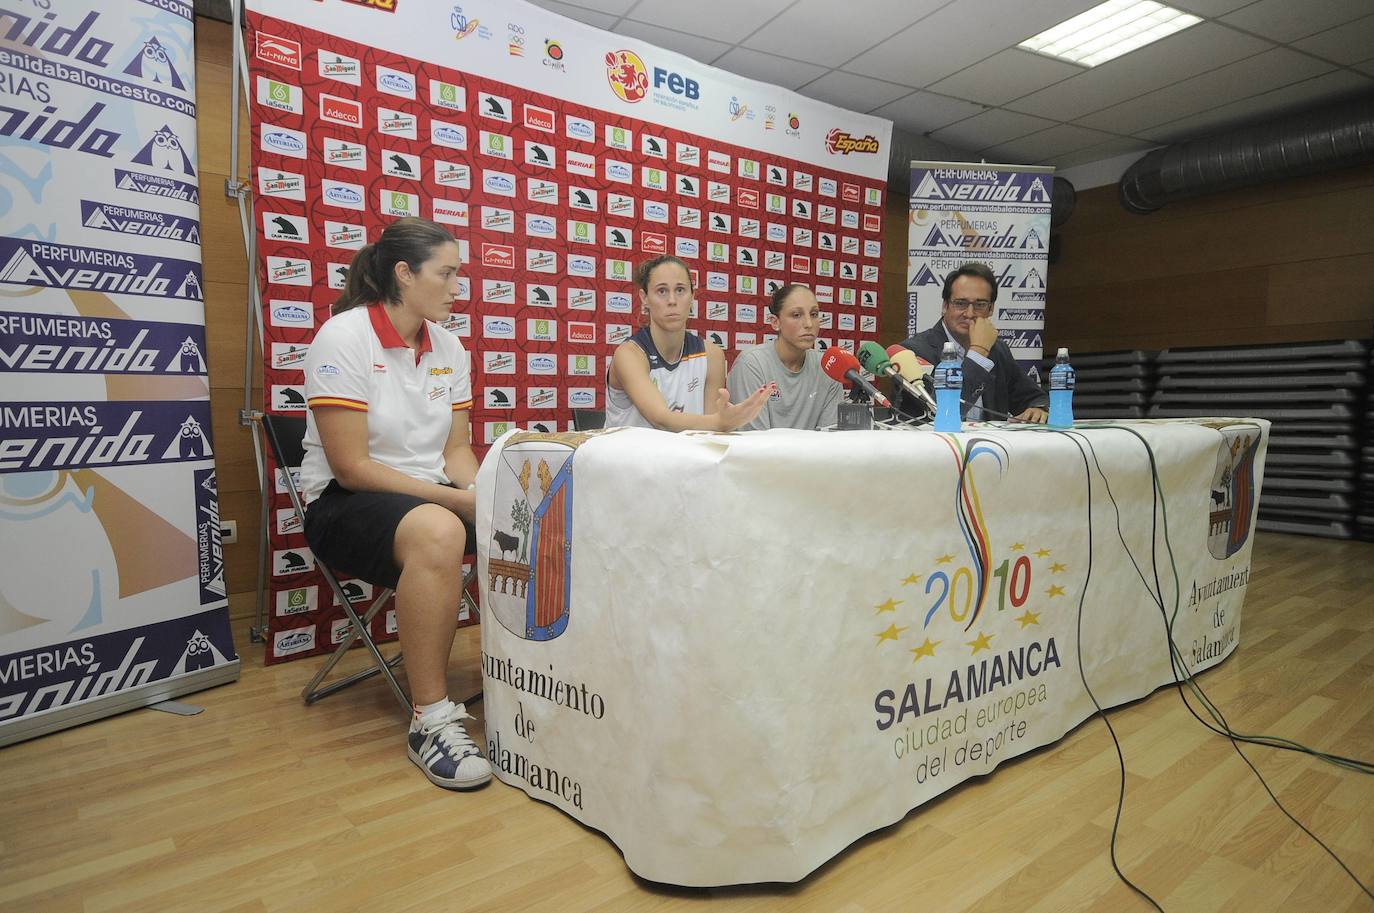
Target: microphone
914,371
875,361
841,366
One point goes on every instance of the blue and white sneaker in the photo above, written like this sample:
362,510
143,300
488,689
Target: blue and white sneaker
445,753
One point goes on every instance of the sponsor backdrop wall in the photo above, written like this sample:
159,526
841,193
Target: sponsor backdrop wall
111,573
994,214
560,155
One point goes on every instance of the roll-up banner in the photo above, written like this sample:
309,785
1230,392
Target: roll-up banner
993,214
112,590
560,156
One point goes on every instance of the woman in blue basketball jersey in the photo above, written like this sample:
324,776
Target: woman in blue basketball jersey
660,376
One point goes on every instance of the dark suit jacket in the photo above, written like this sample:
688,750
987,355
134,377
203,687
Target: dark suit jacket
1005,389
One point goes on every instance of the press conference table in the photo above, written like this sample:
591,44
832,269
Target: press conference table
736,654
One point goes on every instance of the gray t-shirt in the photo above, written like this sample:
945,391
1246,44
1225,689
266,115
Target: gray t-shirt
806,399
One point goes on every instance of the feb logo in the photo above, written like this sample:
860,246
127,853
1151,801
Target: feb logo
628,76
529,556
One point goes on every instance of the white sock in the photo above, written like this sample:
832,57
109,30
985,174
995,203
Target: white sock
429,714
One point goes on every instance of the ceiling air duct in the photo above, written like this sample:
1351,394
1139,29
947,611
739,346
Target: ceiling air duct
1337,136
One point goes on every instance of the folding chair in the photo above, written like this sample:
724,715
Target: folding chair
285,436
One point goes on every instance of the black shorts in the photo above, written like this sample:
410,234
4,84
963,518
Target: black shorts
354,532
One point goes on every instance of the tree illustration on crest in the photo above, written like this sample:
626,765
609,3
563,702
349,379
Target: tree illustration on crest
520,514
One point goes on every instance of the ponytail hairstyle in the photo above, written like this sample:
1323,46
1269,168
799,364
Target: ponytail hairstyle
779,297
372,274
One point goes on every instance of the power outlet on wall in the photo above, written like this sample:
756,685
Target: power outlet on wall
228,532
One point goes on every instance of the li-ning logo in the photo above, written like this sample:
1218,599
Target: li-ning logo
282,51
627,75
839,142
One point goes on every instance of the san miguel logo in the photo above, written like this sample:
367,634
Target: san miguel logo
840,142
628,76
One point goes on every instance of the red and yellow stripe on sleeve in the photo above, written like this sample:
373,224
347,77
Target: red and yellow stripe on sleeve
463,406
317,401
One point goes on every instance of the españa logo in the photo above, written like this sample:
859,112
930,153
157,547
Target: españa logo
627,75
840,142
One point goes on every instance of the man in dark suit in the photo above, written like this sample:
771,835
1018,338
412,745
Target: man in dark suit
992,379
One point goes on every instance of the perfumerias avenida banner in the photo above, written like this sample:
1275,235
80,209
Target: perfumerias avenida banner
993,214
112,591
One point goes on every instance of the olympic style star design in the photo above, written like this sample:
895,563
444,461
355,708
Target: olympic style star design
892,633
981,642
889,606
925,649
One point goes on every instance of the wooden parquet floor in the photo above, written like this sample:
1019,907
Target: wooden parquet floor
263,804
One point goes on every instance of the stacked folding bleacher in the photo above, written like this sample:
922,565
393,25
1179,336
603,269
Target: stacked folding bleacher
1313,393
1364,515
1109,384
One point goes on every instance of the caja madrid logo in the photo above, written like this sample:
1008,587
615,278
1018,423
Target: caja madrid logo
628,76
839,142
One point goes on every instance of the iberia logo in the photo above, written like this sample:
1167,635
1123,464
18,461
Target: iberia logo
838,142
628,76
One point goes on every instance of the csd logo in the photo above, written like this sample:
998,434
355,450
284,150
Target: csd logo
628,76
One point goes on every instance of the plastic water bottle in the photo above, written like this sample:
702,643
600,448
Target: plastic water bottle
1062,381
949,385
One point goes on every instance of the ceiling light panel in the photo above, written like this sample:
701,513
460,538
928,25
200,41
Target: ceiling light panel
1109,30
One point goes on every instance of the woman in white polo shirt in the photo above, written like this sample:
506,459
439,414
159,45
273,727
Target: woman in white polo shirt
389,467
665,377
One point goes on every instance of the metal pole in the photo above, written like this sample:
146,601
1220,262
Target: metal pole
240,191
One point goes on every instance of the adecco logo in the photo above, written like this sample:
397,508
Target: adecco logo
341,110
627,75
539,118
839,142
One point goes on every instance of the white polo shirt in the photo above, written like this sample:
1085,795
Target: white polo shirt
359,361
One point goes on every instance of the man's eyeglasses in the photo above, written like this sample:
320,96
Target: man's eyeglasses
981,307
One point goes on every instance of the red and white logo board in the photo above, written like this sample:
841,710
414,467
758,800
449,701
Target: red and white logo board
560,156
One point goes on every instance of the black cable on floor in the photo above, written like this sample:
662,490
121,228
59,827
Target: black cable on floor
1160,508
